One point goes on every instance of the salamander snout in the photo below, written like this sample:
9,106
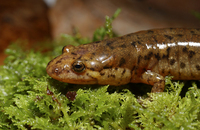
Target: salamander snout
69,70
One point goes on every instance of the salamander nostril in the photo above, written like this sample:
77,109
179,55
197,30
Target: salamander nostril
56,70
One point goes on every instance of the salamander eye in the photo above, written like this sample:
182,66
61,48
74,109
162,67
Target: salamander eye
78,66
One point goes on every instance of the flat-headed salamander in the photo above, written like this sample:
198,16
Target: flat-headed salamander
141,57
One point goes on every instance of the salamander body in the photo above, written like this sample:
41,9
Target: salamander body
141,57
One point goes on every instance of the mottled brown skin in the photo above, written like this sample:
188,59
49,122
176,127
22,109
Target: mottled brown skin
141,57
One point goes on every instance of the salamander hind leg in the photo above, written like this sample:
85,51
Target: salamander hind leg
155,79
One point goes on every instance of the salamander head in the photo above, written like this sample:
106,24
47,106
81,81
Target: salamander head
85,65
76,66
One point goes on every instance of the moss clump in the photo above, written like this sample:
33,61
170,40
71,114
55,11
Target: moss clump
30,99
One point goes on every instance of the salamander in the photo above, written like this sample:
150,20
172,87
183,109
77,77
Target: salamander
140,57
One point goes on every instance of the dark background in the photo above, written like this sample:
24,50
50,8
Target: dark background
34,21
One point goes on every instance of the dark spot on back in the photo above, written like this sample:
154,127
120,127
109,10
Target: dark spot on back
157,56
133,44
121,38
168,49
163,71
91,69
97,42
195,35
112,75
138,37
58,62
165,56
123,46
139,58
109,43
79,57
123,72
116,68
168,37
93,53
129,34
111,47
185,49
138,42
134,67
191,54
179,35
150,31
73,53
182,65
144,70
148,56
192,32
102,74
155,39
198,67
172,61
122,61
106,67
62,58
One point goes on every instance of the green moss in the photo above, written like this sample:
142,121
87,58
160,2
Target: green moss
30,99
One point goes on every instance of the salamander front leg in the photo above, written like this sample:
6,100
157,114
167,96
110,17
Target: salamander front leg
155,79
